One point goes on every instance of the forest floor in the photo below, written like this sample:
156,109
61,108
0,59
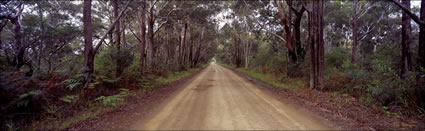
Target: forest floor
222,98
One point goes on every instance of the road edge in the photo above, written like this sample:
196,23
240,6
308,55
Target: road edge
136,106
291,97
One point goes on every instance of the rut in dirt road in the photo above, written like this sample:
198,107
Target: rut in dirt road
219,99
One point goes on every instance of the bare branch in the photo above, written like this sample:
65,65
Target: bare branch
278,36
367,10
135,35
111,27
159,27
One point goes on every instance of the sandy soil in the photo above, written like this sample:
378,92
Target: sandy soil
219,99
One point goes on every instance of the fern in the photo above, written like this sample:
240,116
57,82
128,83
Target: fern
114,100
72,83
23,99
69,98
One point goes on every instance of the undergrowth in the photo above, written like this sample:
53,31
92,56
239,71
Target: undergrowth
68,103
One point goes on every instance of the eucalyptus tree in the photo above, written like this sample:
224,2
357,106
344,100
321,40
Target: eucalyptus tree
89,50
317,53
421,22
12,11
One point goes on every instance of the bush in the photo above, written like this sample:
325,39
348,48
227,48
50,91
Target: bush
114,100
336,57
106,61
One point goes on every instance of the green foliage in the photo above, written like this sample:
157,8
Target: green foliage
51,109
146,83
106,61
114,100
336,58
72,83
69,98
24,99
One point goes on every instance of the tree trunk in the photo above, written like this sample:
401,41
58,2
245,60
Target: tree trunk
20,51
142,37
88,42
198,51
405,41
124,39
150,36
354,24
40,45
297,35
118,70
421,49
316,44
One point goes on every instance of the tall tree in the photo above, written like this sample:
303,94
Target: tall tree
89,51
15,18
142,22
317,50
117,39
360,9
88,42
405,40
286,22
421,21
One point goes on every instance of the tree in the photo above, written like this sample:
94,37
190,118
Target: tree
421,21
286,22
405,41
316,44
89,51
142,38
117,39
88,42
15,18
360,9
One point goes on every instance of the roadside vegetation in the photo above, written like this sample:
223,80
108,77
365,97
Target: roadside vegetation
63,62
369,53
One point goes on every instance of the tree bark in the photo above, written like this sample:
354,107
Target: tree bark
297,34
118,70
151,23
18,61
405,41
142,37
316,44
40,45
198,51
88,43
421,21
183,47
354,24
421,49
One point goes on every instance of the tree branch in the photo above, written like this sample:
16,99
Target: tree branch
135,35
160,26
111,27
366,10
278,36
409,12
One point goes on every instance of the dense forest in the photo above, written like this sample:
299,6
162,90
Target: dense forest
61,58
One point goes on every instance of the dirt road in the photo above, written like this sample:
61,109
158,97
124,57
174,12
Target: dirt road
219,99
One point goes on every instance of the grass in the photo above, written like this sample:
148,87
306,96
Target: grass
175,76
262,77
97,109
288,83
66,122
76,119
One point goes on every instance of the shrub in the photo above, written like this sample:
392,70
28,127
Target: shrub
336,57
114,100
